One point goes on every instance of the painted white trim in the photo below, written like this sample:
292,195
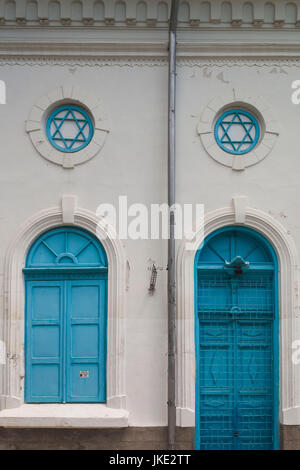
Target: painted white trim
68,205
287,255
12,376
35,125
262,111
265,49
240,205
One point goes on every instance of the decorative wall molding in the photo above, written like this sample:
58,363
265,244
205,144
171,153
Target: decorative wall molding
269,129
154,13
289,306
133,28
85,62
35,125
84,45
142,62
12,373
241,61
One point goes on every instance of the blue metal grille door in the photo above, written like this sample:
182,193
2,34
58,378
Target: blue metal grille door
65,342
236,372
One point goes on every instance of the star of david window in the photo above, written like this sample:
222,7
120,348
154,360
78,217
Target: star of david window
237,131
69,128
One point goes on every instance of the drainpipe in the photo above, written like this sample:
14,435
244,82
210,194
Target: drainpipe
171,242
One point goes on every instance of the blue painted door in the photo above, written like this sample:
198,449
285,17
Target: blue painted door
44,341
65,337
66,341
236,389
86,341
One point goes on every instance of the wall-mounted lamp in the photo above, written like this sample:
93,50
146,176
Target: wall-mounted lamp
153,279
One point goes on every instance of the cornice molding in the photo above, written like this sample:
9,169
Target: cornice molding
144,49
239,47
85,47
193,14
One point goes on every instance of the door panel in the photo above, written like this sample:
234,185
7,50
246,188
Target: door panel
216,392
45,383
84,383
44,333
45,341
84,300
86,341
235,361
254,384
66,341
46,301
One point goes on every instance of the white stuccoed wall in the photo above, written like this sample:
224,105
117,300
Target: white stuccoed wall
133,162
272,185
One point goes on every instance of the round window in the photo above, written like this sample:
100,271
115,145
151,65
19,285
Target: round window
237,131
69,128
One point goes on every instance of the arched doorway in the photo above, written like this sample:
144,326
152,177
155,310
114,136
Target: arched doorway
236,332
65,320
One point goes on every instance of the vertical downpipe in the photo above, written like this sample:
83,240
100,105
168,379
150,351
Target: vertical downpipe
171,243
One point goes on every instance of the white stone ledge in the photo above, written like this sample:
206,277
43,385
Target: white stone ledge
185,417
63,416
291,416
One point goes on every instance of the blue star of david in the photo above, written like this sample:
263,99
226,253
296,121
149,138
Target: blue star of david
56,124
246,122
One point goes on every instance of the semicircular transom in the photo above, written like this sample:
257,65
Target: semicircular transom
66,246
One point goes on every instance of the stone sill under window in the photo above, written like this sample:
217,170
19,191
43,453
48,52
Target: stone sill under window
62,415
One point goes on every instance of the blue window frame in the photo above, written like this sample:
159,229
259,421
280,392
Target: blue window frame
237,131
69,128
236,342
65,331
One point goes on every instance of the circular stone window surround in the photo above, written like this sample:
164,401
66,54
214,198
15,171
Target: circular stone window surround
36,125
269,130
